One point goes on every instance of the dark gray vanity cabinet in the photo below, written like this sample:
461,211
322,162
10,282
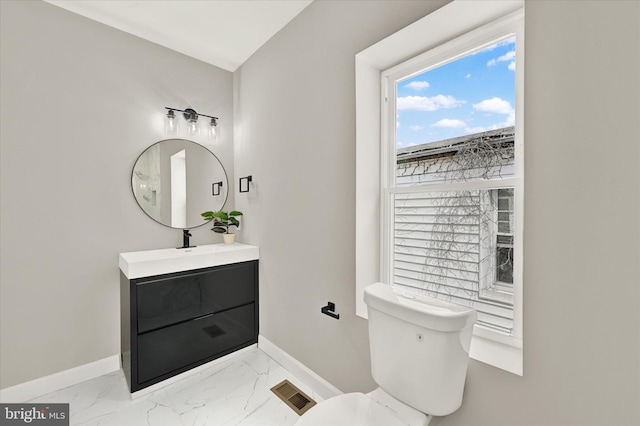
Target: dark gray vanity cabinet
174,322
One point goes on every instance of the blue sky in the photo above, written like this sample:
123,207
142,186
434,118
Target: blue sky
472,94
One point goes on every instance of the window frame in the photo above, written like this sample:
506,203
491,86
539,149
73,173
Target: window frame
435,33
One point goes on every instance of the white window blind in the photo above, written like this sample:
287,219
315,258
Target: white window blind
437,251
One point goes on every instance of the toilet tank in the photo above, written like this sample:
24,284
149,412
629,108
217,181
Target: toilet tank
419,348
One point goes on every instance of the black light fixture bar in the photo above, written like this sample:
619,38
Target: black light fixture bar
191,111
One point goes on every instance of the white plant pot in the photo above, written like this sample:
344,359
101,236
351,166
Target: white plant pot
229,238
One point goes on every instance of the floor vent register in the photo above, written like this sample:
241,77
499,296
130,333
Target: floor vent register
299,401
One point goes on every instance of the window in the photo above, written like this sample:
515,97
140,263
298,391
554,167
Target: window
450,190
497,250
448,198
503,253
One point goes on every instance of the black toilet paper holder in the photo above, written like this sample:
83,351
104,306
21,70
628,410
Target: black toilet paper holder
330,310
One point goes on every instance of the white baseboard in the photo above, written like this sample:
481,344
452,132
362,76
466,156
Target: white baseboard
38,387
301,371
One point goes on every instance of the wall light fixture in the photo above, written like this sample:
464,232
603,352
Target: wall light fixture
171,123
215,188
244,183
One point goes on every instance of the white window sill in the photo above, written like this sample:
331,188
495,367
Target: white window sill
497,349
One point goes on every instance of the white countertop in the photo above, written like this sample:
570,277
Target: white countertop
137,264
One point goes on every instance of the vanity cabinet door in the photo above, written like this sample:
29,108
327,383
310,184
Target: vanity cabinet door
177,348
171,299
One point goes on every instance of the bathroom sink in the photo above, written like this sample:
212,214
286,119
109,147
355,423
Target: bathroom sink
138,264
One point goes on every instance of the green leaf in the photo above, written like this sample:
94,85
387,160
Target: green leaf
221,215
222,220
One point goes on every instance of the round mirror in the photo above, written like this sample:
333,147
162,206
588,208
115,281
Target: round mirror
175,180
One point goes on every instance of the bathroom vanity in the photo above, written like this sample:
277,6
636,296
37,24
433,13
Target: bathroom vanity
181,308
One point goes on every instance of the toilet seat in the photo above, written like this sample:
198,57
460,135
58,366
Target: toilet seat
349,409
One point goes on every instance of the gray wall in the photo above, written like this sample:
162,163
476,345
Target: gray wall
295,134
80,102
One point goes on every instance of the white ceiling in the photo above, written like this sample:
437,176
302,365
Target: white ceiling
224,33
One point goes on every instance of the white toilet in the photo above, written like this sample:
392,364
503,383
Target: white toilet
419,354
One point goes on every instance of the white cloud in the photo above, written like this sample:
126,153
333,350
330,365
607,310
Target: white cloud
494,106
447,122
509,56
512,66
468,76
511,120
423,103
415,127
418,85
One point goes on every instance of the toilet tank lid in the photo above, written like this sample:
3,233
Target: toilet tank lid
424,311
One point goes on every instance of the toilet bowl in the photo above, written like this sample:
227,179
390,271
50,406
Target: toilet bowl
419,354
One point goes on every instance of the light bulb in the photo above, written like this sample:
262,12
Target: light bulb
192,122
170,123
213,130
192,127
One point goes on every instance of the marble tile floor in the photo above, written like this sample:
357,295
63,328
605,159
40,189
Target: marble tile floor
234,391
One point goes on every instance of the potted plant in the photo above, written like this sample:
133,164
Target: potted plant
222,222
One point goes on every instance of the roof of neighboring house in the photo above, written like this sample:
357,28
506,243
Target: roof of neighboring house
451,146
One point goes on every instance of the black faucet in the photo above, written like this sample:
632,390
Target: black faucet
185,239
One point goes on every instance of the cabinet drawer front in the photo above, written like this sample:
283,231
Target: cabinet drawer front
173,299
184,345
